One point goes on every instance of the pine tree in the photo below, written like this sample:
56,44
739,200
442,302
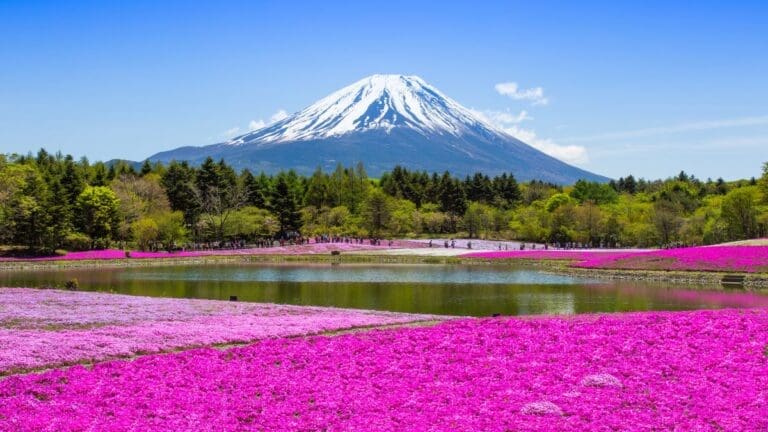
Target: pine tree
285,203
179,183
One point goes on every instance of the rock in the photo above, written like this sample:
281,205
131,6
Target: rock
601,380
541,408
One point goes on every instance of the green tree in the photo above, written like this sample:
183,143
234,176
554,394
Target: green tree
562,220
72,180
145,232
763,184
558,200
98,214
477,220
23,216
403,217
598,193
285,202
139,196
318,190
252,222
257,189
667,220
452,198
146,168
171,229
179,184
588,223
740,213
507,190
377,210
479,188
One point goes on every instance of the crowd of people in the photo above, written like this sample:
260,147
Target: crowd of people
373,241
263,243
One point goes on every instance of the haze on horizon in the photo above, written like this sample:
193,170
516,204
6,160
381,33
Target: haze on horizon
647,89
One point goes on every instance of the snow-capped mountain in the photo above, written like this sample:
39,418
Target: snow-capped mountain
383,121
376,102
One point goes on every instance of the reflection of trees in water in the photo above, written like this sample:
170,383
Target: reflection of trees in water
524,292
547,303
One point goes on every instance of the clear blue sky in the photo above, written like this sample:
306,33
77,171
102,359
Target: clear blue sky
649,89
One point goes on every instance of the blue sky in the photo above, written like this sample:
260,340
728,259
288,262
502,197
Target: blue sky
649,88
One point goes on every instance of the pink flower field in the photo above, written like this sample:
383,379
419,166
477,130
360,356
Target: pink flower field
566,255
46,328
748,259
306,249
688,371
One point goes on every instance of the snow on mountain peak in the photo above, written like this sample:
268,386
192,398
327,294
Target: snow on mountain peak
375,102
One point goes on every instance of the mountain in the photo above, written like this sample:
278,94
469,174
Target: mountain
383,121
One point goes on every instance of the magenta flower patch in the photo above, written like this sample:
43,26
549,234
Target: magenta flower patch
45,328
749,259
684,371
306,249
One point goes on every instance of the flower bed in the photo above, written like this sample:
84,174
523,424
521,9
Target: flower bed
306,249
44,328
704,370
565,255
749,259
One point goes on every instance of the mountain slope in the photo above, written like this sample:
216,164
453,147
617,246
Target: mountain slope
383,121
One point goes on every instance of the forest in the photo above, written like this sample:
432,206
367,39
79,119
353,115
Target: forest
52,202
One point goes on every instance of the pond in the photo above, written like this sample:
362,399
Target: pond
477,290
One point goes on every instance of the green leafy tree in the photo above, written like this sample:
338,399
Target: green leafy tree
478,220
403,217
23,216
377,211
667,220
763,184
740,213
589,218
253,222
598,193
171,229
98,214
145,232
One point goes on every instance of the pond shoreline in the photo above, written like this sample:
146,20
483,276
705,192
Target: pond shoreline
702,278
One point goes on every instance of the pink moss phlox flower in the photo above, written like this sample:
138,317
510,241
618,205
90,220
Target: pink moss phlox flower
306,249
683,371
44,328
748,259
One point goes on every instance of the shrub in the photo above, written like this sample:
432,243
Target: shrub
77,241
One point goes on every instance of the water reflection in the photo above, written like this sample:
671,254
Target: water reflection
438,289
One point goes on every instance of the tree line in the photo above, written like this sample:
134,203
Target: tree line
51,201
